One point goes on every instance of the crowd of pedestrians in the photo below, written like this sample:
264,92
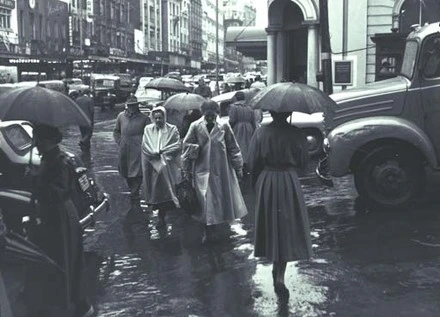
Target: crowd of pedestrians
213,155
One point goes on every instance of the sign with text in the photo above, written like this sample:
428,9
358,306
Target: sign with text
9,4
343,71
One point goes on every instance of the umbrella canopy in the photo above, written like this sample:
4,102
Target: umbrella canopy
184,101
258,84
236,80
41,105
167,84
17,248
288,97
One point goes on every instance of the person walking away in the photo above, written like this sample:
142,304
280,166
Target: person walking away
161,148
86,103
128,132
62,238
282,231
242,121
193,115
202,89
216,171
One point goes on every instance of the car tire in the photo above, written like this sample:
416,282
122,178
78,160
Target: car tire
390,177
315,140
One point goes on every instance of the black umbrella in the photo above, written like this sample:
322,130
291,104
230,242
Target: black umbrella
167,84
17,248
184,101
41,105
288,97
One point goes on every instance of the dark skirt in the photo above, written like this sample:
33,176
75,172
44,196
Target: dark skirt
282,230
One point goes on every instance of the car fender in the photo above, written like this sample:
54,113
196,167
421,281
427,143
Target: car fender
345,140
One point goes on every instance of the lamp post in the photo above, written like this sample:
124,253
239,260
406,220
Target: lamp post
217,89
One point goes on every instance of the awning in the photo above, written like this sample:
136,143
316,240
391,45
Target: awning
250,41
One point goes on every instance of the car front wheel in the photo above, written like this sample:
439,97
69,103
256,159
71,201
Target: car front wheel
390,177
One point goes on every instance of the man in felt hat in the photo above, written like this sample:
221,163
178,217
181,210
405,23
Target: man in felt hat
128,132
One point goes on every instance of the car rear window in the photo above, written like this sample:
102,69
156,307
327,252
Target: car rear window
18,137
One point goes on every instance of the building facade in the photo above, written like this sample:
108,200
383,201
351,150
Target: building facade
293,48
209,26
8,27
151,16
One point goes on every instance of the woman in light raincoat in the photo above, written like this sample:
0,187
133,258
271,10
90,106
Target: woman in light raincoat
216,170
127,133
161,163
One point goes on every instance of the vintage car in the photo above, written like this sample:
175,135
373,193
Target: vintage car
17,155
128,84
75,86
311,124
106,90
386,133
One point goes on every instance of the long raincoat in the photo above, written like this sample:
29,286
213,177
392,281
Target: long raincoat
161,174
282,231
128,133
214,177
242,120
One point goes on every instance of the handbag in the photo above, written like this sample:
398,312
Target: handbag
186,194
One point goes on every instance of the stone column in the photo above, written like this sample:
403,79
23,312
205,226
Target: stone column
313,55
271,58
280,56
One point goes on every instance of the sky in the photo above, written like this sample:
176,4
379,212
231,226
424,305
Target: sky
261,6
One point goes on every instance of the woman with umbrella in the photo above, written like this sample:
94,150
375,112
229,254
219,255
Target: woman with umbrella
54,182
242,121
276,152
127,133
160,163
62,238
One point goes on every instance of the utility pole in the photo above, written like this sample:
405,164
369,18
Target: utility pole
326,52
344,33
217,61
80,13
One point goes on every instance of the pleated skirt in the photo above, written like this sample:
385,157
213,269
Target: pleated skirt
282,230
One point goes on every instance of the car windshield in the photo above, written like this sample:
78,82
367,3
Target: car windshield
107,83
409,59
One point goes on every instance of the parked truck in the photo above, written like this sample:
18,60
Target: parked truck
388,133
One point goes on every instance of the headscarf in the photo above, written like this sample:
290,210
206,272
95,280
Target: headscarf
159,109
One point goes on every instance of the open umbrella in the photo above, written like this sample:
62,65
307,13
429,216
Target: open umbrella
167,84
17,248
288,97
184,101
258,84
236,79
41,105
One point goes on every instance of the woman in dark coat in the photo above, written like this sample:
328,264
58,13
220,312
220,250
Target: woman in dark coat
62,238
282,232
128,132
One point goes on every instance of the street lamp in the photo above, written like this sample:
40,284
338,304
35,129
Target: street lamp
217,89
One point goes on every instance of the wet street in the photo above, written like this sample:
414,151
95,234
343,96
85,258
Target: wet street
365,263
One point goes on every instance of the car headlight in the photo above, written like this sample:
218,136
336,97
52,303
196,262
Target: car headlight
326,146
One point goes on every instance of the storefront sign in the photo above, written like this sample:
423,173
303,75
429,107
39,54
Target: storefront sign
89,10
9,4
343,72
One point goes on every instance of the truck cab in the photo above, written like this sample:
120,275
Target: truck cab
386,133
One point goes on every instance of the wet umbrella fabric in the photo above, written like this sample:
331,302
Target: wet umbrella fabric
288,97
43,106
184,101
235,80
167,84
17,248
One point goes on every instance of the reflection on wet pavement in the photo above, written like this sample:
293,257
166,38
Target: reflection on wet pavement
365,263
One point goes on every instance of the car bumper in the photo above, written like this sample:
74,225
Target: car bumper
104,205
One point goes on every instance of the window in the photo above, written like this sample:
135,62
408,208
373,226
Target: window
409,59
32,25
5,18
431,57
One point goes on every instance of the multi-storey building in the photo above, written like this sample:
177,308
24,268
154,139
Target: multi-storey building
151,15
8,27
195,33
237,13
209,26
